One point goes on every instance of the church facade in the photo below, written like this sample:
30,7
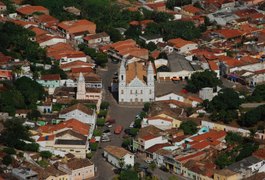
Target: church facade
136,83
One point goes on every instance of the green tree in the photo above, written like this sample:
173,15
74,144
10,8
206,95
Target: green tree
233,138
146,107
46,154
202,79
104,105
101,122
9,150
14,132
189,127
101,59
127,143
258,94
7,159
133,132
128,173
151,46
133,32
93,146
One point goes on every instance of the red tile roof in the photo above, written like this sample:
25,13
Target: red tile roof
29,10
191,9
260,153
148,137
186,158
229,33
73,124
82,69
50,77
78,26
156,147
178,42
76,64
212,134
46,138
79,107
5,73
201,145
213,65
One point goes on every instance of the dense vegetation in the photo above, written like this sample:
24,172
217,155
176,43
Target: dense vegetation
240,149
253,116
224,106
15,41
23,94
203,79
189,127
15,133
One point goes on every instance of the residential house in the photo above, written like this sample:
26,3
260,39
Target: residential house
190,10
226,174
50,81
49,40
76,64
79,112
77,29
122,49
22,113
65,53
136,83
182,46
160,122
45,107
118,156
69,136
148,137
248,166
78,168
28,10
198,170
154,38
187,99
99,38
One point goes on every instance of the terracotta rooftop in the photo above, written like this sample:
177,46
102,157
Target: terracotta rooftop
46,138
73,124
38,31
148,132
95,36
76,26
50,77
44,18
76,64
226,172
229,33
75,163
116,151
79,107
157,147
29,10
178,42
212,135
135,70
191,9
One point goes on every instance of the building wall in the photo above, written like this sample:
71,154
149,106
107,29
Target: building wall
223,177
167,76
159,123
52,42
149,143
65,60
78,150
49,83
83,173
128,159
170,96
187,48
79,115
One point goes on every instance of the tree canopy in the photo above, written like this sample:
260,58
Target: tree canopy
224,106
202,79
189,127
253,116
16,42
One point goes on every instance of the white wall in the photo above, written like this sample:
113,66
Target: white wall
158,140
65,60
79,115
187,48
171,96
128,159
52,42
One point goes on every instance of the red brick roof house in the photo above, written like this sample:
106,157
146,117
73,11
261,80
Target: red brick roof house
159,6
76,28
28,10
190,10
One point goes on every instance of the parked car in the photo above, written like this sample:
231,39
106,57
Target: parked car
118,129
111,121
107,132
132,124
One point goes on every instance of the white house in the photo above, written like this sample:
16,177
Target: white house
182,46
155,39
118,156
159,122
170,96
160,62
79,112
136,83
49,39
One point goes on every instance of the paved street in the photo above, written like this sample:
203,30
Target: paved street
123,116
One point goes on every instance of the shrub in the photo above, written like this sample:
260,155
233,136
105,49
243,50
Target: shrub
9,150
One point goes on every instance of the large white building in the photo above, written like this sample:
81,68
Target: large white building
136,83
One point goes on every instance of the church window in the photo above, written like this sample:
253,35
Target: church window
141,91
122,77
131,92
122,91
150,92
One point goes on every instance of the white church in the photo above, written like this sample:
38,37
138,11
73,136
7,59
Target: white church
136,83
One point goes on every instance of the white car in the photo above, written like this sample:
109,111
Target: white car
132,124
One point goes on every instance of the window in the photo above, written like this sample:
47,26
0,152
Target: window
122,77
150,91
131,91
141,91
122,91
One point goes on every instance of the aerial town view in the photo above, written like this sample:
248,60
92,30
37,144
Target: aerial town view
132,89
